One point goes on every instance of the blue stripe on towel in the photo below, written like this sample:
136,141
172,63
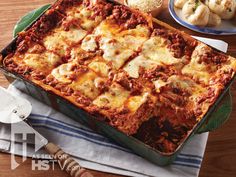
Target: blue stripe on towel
79,137
189,155
188,160
78,131
186,165
64,123
52,124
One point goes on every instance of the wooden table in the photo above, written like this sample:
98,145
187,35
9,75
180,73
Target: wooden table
220,157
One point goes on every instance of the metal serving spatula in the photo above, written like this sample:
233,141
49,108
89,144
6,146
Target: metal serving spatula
15,109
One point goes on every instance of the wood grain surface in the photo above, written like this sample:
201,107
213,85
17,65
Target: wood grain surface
220,156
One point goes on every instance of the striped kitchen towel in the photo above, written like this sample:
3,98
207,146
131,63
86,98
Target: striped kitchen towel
95,151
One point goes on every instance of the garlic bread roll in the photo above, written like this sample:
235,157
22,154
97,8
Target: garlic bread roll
214,19
224,8
151,6
180,3
196,13
206,2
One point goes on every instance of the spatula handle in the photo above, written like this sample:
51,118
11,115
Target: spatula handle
68,163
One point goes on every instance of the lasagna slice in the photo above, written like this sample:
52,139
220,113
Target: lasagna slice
209,67
123,110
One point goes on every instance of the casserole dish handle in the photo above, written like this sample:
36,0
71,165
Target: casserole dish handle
28,19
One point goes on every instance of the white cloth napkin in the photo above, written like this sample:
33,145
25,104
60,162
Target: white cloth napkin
96,152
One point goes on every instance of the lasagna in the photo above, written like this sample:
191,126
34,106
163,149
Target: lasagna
141,77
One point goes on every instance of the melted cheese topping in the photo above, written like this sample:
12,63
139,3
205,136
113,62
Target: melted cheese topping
99,81
86,85
135,102
63,72
232,63
99,67
77,53
186,84
115,52
118,46
41,61
181,82
74,35
89,43
198,70
60,40
134,38
114,98
56,43
106,29
156,49
83,15
159,84
132,68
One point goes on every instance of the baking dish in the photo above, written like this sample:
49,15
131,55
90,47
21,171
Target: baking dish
66,107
